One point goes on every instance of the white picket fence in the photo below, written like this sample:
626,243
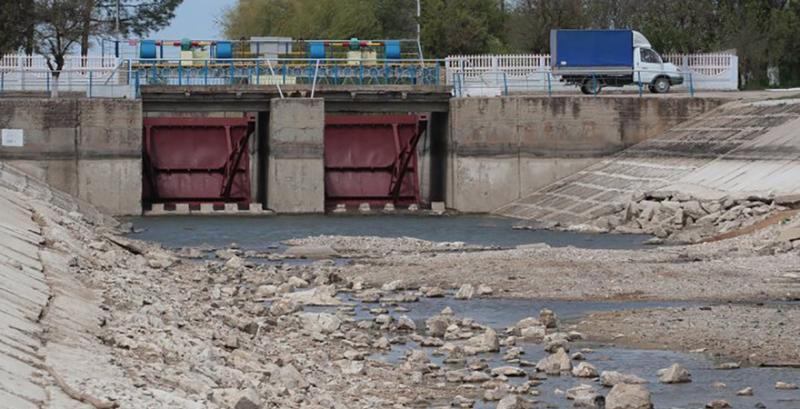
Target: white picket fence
487,75
96,76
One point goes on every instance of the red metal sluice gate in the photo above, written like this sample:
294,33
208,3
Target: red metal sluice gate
196,160
372,159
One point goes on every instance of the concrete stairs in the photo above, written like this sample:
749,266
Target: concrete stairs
739,148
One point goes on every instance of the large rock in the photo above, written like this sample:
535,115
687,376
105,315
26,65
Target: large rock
548,318
508,371
511,402
289,377
322,322
612,378
555,364
247,399
627,396
437,325
406,324
486,342
324,295
584,370
674,374
465,292
584,396
284,307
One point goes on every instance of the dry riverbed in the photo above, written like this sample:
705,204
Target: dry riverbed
208,328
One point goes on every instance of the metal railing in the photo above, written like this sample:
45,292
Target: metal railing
498,83
468,75
278,71
525,72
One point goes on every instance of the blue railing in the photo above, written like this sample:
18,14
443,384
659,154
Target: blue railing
285,72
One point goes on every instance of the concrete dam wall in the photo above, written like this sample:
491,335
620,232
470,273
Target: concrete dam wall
502,149
88,148
483,154
736,150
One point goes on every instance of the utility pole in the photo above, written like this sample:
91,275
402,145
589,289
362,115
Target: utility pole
419,30
116,25
117,34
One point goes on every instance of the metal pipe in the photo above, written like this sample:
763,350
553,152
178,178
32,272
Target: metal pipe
314,84
269,64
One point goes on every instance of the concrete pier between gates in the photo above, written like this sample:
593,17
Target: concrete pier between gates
295,165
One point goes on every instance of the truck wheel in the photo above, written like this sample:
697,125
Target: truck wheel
591,87
661,85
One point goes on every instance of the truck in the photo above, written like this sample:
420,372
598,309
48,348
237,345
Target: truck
595,59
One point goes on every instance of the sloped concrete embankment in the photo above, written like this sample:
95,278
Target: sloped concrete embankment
743,157
49,353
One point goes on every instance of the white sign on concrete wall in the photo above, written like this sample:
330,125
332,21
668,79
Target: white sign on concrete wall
13,137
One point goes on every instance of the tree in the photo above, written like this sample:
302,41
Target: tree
134,17
462,27
16,18
59,25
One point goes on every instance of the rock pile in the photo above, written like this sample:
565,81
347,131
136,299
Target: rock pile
683,218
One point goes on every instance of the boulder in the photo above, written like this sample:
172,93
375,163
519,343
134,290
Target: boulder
235,262
628,396
576,391
406,324
486,342
297,282
289,377
484,289
748,391
584,370
284,307
465,292
555,364
674,374
718,404
548,318
322,322
511,371
324,295
247,399
437,325
613,378
510,402
393,285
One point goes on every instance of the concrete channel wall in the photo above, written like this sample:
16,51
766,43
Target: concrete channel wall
742,148
89,148
502,149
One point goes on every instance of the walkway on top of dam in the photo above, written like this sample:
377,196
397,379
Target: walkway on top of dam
254,98
744,147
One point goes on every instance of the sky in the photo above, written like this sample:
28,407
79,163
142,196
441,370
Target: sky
195,19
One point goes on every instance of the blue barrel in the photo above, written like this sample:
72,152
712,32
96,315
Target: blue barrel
393,50
316,50
224,49
147,49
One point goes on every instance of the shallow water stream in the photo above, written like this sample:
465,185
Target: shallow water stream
260,233
502,313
